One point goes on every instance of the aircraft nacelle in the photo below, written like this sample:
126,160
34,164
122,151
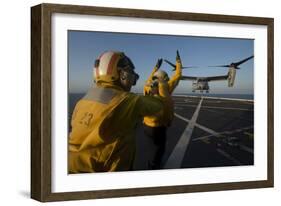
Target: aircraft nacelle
231,77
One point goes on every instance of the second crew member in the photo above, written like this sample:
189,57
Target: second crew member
155,126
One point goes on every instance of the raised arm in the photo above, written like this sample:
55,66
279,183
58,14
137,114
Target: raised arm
174,80
147,85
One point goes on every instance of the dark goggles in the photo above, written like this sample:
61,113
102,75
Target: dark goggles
127,65
136,78
132,75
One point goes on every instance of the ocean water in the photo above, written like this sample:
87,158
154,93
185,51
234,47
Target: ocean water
73,98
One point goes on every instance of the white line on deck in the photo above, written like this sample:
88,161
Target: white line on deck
216,98
210,107
176,157
225,132
247,149
229,157
206,129
242,147
216,134
228,108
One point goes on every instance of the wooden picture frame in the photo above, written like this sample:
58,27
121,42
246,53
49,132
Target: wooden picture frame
41,97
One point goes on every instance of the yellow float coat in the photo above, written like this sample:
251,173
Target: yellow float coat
103,129
165,116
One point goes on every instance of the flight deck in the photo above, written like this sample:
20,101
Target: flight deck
205,132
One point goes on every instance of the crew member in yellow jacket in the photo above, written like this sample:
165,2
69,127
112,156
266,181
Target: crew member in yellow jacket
155,126
104,120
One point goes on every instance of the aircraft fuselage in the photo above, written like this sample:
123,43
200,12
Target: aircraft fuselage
200,85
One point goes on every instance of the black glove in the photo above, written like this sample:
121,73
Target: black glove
159,63
178,58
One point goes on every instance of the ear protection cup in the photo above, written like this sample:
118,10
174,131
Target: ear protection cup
122,75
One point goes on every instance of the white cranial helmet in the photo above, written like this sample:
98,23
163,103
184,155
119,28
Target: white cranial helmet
107,65
160,74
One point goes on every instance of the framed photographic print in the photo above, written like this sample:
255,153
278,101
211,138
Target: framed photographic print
130,102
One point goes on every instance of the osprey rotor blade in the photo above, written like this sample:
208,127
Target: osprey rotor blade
242,61
234,64
220,66
170,63
189,67
174,66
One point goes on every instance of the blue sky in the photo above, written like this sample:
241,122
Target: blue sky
144,50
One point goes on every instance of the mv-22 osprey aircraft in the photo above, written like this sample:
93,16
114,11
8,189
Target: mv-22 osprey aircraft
202,83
